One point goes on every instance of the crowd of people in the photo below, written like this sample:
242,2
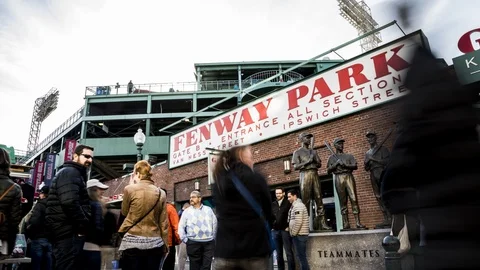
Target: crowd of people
70,227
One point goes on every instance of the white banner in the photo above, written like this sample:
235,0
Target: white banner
356,85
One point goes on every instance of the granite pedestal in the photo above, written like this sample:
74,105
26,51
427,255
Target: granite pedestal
349,250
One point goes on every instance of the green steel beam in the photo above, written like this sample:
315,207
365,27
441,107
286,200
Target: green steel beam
116,98
255,64
200,94
248,89
146,116
125,146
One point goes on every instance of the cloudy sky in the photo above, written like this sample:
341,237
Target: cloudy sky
71,44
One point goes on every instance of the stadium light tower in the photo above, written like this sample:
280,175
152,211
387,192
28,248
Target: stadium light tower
359,15
43,107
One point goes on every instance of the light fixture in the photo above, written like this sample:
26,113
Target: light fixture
197,184
287,166
139,139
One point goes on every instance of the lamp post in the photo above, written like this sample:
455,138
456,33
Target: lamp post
139,140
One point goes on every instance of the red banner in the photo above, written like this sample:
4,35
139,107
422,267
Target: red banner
69,149
38,175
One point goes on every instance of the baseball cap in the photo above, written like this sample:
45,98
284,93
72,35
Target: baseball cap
44,190
370,133
304,134
96,183
337,140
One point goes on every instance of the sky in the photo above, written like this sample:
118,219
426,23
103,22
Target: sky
70,44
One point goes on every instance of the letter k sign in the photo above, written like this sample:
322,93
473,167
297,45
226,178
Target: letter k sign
470,62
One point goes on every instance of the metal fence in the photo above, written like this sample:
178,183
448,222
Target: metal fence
123,89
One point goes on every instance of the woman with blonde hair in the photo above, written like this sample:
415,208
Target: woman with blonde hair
145,228
242,240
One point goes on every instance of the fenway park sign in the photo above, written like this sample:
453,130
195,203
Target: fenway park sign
367,81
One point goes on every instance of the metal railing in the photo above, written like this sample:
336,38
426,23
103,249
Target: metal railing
123,89
120,89
52,136
290,76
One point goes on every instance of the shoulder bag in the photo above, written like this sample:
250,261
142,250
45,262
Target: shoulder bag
402,236
256,207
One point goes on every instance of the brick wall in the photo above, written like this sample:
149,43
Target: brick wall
269,156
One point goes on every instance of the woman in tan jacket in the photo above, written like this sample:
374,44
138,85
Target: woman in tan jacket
145,242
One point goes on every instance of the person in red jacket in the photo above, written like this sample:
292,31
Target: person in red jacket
173,238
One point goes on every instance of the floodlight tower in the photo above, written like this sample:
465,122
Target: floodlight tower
43,107
359,15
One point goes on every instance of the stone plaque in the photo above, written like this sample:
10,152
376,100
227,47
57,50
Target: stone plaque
359,250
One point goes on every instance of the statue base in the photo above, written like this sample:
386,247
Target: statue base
353,229
322,231
352,250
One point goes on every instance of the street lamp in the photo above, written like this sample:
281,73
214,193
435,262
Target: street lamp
139,140
287,166
197,184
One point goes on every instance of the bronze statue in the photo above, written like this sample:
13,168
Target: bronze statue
376,159
306,160
342,165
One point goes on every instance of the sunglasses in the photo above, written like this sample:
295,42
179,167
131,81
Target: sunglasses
87,156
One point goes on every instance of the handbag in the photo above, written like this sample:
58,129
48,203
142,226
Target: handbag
402,236
256,207
140,219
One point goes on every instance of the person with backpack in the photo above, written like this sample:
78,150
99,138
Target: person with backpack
10,206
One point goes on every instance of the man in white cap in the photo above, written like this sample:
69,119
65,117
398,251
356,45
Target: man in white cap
96,183
94,237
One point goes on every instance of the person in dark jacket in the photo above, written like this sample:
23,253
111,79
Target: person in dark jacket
68,209
92,257
434,173
242,240
10,206
283,240
41,249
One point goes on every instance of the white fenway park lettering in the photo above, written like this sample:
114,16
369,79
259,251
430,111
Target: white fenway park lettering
370,80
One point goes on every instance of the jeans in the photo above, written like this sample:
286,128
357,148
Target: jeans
300,243
182,256
67,253
91,260
283,241
200,254
149,259
241,264
41,252
169,263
